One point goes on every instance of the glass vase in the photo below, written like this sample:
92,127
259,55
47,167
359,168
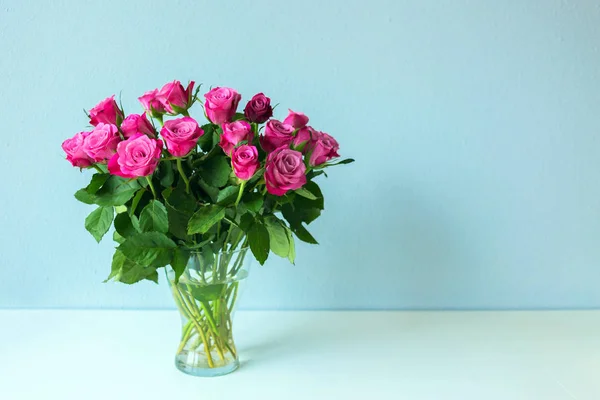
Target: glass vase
206,296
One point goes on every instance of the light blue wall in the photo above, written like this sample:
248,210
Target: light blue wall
476,126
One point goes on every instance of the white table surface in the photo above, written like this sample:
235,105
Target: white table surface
48,354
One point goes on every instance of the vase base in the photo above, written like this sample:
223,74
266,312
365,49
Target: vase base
206,371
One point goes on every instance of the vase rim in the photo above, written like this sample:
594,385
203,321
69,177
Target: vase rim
245,248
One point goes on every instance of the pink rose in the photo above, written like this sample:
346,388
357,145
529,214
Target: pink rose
258,109
181,135
151,103
135,123
233,133
306,135
296,119
244,161
277,134
102,142
107,111
137,156
324,149
74,149
221,103
174,95
284,170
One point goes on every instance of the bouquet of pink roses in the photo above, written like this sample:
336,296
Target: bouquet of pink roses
191,196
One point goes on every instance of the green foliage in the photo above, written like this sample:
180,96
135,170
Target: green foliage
180,206
253,201
166,175
303,234
182,201
154,218
148,249
178,222
99,221
116,191
117,237
237,116
215,171
228,195
83,196
206,141
205,218
281,241
127,271
258,239
342,162
208,292
136,200
125,225
179,261
305,193
96,183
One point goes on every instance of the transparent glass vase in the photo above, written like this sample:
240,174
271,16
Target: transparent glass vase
206,296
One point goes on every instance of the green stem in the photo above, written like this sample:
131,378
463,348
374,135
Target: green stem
211,329
209,317
194,318
183,176
239,197
187,333
151,186
97,168
179,297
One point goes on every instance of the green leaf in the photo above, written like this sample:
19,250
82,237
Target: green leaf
127,271
313,174
83,196
120,209
304,235
278,237
215,171
98,222
148,248
208,292
166,174
206,141
296,215
237,116
292,253
118,238
258,239
207,258
116,191
346,161
246,222
212,192
253,201
182,201
136,200
179,262
205,218
154,218
117,263
96,183
305,193
228,195
125,226
305,203
178,222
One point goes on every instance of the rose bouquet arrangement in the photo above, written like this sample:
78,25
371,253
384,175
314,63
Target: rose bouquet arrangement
198,197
